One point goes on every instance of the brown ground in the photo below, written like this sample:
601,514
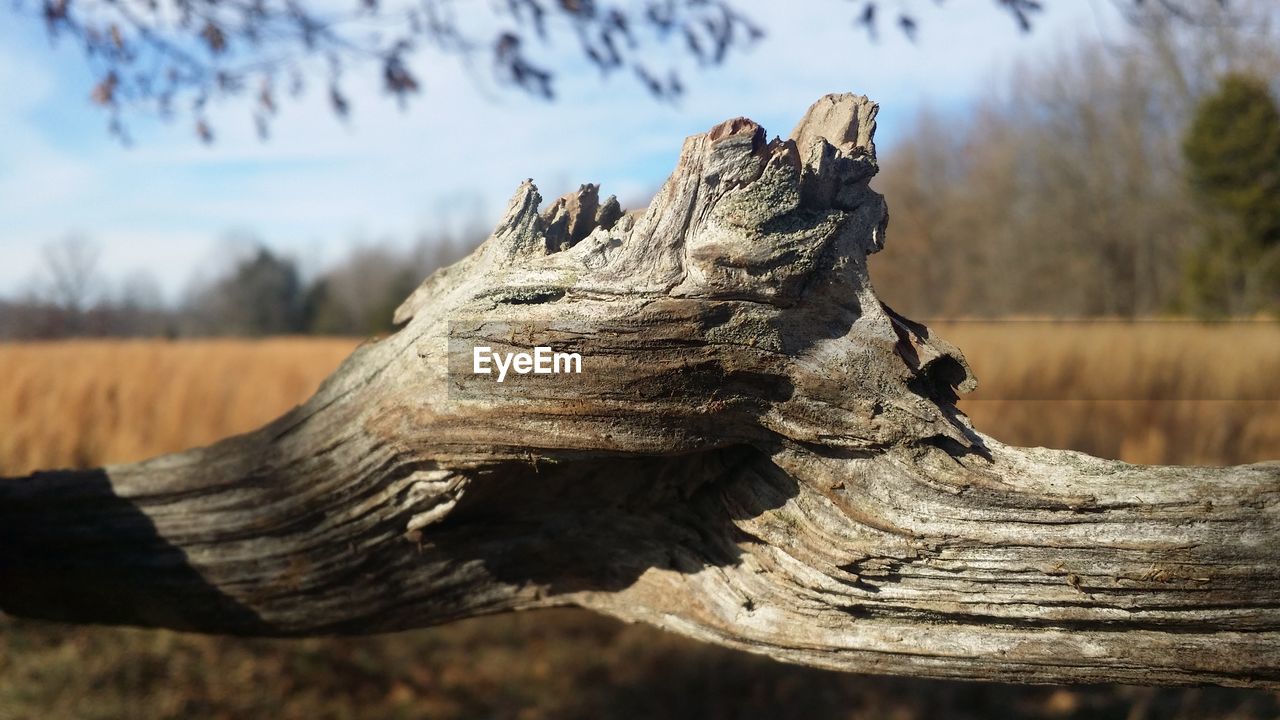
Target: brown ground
1146,392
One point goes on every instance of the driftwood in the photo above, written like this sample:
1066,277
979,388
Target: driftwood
757,452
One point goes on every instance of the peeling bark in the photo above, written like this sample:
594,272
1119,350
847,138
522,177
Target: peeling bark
757,453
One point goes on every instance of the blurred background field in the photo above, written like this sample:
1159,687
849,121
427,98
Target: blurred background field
1170,392
1148,391
84,403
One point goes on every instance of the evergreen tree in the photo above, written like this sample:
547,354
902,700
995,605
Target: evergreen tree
1232,149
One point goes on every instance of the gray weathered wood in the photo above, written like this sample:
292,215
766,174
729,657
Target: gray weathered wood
757,453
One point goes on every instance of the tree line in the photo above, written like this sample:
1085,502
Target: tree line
261,292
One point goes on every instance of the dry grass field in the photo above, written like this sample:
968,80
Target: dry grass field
123,400
1144,392
1148,392
1168,392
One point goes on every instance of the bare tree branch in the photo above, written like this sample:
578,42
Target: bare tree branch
757,452
174,57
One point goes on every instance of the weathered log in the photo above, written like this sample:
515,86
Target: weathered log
757,452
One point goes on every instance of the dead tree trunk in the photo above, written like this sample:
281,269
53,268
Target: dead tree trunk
757,452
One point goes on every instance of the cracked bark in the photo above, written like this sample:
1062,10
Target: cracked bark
757,453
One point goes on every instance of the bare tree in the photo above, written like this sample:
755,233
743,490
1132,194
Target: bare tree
71,278
67,285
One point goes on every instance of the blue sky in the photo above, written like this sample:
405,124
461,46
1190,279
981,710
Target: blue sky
167,204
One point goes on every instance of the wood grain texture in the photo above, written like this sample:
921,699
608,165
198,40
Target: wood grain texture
757,453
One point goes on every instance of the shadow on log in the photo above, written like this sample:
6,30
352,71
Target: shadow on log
756,452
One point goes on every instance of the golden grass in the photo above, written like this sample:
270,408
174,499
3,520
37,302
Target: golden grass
1166,392
1145,392
1154,393
86,403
